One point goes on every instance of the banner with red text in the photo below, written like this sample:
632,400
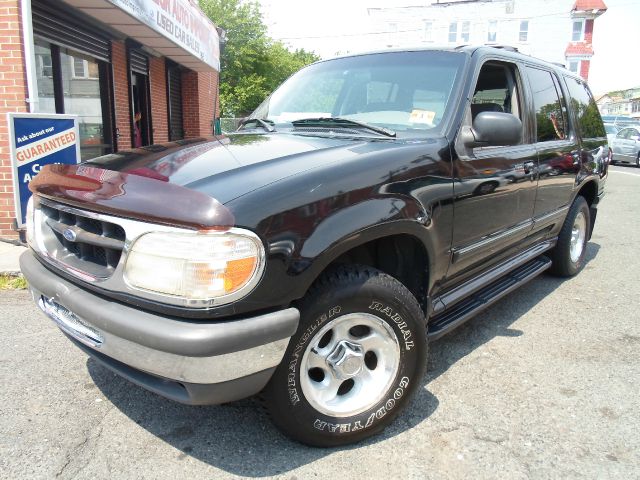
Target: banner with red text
181,22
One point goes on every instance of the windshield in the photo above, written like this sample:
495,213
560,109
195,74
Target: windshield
610,129
407,92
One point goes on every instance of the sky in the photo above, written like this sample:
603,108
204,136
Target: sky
329,27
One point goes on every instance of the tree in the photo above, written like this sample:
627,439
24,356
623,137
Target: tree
252,64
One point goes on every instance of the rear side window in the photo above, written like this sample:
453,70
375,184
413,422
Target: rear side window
548,103
585,108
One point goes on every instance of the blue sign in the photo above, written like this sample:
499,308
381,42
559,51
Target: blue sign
38,140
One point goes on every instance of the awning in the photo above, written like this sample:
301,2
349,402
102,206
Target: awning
177,29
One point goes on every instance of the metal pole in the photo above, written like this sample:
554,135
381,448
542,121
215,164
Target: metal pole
29,54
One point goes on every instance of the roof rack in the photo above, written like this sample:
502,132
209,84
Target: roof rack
508,48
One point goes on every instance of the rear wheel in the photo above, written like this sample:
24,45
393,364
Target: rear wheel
358,356
568,254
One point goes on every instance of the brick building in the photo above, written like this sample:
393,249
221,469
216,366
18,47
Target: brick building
135,72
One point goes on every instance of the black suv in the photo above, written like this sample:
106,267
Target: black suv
371,204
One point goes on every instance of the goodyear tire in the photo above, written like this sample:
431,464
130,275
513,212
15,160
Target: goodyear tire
357,358
568,254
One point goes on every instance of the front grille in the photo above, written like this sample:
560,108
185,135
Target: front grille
80,242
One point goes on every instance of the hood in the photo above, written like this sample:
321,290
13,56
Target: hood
187,183
227,167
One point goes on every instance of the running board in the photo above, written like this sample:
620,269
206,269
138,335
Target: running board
448,320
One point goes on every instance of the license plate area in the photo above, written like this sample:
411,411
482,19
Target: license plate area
70,323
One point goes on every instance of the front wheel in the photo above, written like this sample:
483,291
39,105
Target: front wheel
358,356
568,254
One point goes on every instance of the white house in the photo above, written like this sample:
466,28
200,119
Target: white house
559,31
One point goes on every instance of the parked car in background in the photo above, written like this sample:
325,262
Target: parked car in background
620,120
625,146
611,130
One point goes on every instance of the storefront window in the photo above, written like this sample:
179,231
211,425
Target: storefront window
81,90
44,78
73,83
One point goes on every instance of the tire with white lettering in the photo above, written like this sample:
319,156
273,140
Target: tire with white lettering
568,256
357,358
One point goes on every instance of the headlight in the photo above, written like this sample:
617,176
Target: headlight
200,267
29,221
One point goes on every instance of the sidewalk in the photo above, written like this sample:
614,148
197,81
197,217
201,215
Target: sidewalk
9,254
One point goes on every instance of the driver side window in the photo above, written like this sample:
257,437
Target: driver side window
496,90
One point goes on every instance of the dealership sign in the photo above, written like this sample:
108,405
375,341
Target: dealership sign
38,140
179,21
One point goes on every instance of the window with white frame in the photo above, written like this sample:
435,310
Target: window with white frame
427,31
392,33
45,65
574,66
524,31
578,31
492,32
82,68
464,32
453,32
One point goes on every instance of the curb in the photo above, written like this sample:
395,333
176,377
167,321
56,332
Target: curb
11,273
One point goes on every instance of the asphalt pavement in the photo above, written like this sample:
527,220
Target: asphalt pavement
542,385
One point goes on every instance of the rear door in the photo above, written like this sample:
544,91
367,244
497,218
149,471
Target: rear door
588,123
557,146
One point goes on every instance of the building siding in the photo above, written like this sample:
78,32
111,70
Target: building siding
549,33
158,90
198,98
121,95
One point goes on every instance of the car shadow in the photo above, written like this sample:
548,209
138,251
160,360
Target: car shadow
239,438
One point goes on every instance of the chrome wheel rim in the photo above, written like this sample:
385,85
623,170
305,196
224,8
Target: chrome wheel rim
578,235
349,364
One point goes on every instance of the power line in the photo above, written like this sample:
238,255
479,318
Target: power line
415,30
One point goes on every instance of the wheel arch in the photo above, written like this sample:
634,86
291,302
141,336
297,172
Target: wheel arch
394,249
589,191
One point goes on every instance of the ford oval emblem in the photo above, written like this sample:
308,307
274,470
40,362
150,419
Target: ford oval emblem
69,235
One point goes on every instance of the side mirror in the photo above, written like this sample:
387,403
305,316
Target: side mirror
493,129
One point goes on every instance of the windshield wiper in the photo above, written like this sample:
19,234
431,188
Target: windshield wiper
264,123
344,121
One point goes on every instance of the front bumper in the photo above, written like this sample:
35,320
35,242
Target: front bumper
189,361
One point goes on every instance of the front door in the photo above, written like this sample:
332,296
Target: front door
494,187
